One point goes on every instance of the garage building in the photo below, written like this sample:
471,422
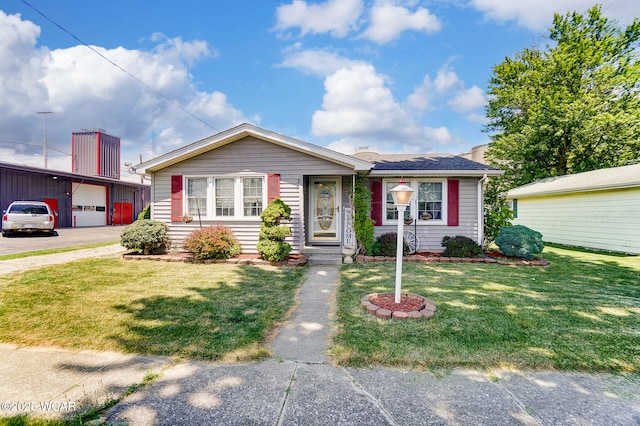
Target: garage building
80,200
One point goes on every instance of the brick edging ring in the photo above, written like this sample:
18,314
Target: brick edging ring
426,311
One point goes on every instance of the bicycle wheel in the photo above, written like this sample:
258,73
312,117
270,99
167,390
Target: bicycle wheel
412,241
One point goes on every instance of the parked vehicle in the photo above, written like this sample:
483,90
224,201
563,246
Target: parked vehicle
27,216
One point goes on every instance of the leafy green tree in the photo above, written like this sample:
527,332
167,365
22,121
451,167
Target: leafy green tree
571,108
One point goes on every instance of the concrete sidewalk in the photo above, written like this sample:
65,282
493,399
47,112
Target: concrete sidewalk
33,262
299,386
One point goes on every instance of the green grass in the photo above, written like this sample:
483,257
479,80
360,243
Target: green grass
56,250
581,313
212,312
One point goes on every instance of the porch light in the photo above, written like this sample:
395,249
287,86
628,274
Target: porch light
401,197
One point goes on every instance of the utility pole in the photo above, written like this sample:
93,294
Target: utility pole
44,148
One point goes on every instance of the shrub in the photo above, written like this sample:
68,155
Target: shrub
519,241
145,235
271,245
214,242
273,251
460,246
386,245
145,213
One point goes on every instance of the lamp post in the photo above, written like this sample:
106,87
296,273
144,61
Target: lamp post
401,197
44,148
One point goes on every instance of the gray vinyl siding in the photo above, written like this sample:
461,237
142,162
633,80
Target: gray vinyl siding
430,235
248,156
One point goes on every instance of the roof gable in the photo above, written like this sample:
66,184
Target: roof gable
596,180
240,132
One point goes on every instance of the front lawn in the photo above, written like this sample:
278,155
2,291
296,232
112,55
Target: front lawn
214,312
580,313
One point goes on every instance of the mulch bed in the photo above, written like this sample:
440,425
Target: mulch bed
430,257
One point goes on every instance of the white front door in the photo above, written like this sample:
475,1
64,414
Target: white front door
325,199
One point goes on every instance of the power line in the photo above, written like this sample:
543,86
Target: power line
120,68
2,142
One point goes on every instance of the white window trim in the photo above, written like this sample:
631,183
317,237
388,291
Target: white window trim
238,207
413,206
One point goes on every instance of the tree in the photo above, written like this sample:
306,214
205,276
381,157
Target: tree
571,108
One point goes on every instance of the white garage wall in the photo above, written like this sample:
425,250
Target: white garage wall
87,201
607,220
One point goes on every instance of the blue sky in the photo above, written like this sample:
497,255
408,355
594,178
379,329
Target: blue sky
393,75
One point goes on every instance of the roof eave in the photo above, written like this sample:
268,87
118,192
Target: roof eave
512,195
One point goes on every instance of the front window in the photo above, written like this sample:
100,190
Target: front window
197,196
427,205
225,201
391,209
225,197
252,196
429,200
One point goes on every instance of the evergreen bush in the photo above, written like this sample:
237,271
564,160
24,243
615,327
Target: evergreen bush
213,242
271,245
145,235
387,245
145,213
460,246
519,241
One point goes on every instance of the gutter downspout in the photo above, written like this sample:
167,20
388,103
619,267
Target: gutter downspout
481,210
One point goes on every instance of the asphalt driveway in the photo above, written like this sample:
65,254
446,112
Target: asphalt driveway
64,237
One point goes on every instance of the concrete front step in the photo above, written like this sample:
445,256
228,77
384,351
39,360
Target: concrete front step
323,255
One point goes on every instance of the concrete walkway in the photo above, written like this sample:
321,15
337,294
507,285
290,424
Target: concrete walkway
299,386
33,262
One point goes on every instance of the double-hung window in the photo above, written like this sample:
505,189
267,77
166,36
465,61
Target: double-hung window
252,196
197,196
428,202
225,202
391,211
225,197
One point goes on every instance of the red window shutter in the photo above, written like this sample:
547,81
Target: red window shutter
453,203
377,196
176,198
273,187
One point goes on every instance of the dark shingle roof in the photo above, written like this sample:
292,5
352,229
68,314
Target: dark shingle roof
426,162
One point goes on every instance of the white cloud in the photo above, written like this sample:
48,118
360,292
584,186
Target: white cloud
467,100
538,15
181,51
424,94
336,17
319,62
359,107
85,91
389,19
475,117
446,79
356,101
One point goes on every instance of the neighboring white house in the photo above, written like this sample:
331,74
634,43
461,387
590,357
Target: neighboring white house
598,209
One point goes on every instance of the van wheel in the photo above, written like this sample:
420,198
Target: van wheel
6,234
